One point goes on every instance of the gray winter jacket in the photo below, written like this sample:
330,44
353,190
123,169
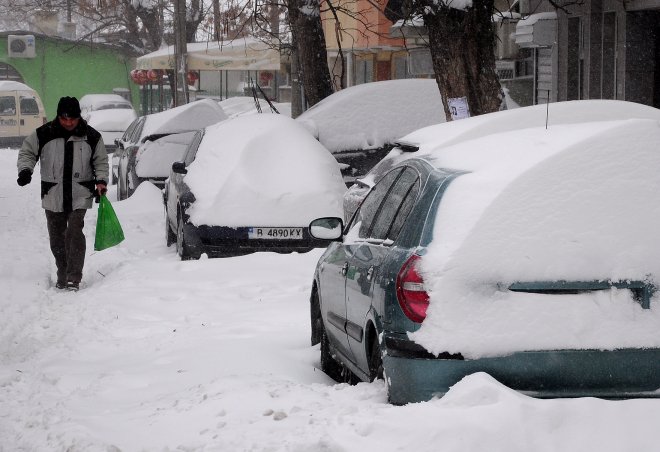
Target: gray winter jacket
71,164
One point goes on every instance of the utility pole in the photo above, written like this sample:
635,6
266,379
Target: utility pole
180,96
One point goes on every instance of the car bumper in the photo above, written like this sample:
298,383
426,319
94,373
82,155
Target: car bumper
413,375
225,241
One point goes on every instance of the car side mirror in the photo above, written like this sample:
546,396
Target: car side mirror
329,228
179,168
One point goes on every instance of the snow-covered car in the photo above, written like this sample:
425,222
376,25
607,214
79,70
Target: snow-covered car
360,124
246,105
111,124
251,183
140,136
529,254
154,158
509,120
94,102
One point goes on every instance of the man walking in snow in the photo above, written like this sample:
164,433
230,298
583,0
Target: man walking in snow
74,168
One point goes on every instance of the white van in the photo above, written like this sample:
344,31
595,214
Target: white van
21,111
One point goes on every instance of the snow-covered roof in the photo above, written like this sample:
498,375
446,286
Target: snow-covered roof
263,170
533,18
374,114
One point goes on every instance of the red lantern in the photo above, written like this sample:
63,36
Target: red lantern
265,77
142,77
192,77
134,75
153,75
139,76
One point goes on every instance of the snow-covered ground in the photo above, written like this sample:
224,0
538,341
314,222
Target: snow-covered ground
155,354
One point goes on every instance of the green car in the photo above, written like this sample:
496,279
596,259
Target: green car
526,255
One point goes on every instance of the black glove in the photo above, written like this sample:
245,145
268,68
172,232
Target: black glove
24,177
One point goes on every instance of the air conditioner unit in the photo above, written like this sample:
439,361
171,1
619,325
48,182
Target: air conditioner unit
21,46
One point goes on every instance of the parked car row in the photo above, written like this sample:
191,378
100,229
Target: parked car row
518,243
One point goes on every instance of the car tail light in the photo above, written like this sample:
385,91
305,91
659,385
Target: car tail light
410,290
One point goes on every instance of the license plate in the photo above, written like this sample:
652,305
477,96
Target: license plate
275,233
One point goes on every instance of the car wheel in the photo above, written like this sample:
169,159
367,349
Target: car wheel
132,181
181,247
375,359
170,237
121,187
329,365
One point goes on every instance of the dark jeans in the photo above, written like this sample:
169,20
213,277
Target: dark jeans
67,242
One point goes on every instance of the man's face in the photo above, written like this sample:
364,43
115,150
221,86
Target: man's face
68,123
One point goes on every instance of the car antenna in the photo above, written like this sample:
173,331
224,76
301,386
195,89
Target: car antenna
547,111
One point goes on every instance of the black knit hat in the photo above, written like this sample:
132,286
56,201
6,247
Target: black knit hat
68,107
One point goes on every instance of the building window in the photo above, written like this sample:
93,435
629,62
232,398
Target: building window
421,63
364,70
575,61
525,62
400,67
608,66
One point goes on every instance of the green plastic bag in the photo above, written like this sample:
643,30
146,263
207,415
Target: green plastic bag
108,229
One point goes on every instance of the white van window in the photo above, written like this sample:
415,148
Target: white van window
29,106
7,105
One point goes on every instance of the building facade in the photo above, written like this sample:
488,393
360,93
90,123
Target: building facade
55,67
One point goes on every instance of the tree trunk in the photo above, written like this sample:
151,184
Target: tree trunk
463,54
305,21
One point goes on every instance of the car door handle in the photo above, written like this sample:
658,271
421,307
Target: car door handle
344,269
370,273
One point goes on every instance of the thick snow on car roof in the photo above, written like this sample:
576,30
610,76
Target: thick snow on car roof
94,101
193,116
246,105
571,112
263,170
374,114
575,202
114,120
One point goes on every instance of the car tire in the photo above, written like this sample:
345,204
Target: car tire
170,237
329,365
121,187
375,359
182,248
132,181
